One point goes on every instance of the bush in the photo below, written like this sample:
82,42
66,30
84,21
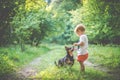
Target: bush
6,65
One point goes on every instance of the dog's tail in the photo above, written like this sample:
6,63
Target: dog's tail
56,63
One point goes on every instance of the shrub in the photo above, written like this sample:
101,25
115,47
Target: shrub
6,65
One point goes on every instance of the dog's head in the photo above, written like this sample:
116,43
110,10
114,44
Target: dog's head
69,49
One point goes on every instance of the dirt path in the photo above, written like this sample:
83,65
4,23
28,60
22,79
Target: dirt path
30,70
34,67
96,66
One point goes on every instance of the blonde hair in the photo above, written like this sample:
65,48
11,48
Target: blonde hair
80,27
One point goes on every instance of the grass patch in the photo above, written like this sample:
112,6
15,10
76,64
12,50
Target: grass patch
21,58
6,65
54,73
12,58
105,55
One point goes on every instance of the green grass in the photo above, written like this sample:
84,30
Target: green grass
20,58
54,73
105,55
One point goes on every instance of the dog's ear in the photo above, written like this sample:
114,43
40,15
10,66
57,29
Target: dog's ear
66,47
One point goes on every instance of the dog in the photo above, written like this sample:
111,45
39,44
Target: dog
68,59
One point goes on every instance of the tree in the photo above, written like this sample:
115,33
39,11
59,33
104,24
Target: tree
6,13
26,21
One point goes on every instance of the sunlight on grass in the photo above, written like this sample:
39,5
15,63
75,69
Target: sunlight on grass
54,73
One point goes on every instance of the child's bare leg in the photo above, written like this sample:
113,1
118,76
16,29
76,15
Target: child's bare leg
82,66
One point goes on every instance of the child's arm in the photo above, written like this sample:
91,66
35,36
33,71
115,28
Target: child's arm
79,44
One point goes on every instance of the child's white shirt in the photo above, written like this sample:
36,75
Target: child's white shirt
83,49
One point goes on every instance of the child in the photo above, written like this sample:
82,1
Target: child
82,52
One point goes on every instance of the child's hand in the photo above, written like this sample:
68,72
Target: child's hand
75,44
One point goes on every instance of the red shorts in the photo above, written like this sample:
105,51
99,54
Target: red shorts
82,58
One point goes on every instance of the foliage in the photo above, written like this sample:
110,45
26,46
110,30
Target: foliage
62,9
65,5
97,16
6,13
34,5
28,18
31,25
6,65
